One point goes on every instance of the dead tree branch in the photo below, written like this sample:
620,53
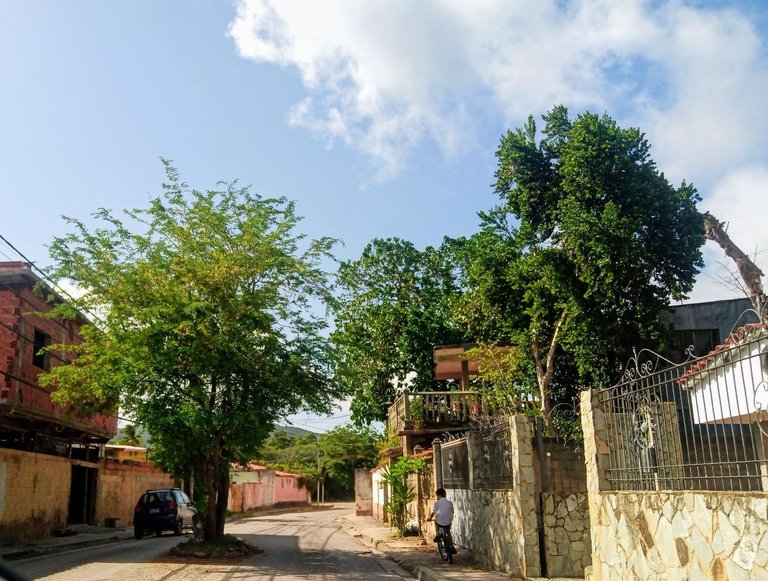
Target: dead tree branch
750,273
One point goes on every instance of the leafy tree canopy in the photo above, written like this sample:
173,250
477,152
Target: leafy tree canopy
602,242
396,302
205,334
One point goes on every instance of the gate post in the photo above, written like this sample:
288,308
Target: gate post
437,463
524,491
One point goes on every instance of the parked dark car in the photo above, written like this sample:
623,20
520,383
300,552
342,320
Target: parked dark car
163,509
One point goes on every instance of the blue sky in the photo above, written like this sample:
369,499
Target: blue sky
379,118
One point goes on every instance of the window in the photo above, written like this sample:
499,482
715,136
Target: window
41,359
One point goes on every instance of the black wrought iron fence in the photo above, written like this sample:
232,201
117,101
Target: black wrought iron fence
492,469
455,463
700,425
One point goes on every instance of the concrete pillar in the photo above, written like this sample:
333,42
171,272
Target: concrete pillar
437,462
363,492
524,494
594,425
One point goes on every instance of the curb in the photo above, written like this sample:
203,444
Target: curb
51,549
420,572
426,574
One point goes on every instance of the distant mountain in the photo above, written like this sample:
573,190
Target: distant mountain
293,431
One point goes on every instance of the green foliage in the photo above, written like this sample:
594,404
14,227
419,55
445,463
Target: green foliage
388,441
130,437
206,334
501,373
331,457
603,243
418,411
395,304
400,494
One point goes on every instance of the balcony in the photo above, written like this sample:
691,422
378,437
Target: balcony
432,412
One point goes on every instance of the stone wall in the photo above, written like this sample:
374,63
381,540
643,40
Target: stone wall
488,523
34,494
681,535
566,533
668,535
501,526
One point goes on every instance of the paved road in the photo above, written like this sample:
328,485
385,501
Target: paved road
298,545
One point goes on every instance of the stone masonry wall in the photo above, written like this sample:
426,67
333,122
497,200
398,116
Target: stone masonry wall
566,533
681,535
488,523
34,494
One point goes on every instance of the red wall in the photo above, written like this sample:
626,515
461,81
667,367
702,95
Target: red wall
288,489
18,383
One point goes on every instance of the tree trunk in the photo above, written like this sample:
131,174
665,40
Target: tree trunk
544,370
222,500
750,273
209,474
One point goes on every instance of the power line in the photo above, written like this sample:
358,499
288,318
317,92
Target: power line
54,284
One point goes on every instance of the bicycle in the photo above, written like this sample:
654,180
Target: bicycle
445,546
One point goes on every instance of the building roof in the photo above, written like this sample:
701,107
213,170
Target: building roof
737,338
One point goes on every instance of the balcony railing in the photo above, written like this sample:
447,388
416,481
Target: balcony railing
435,409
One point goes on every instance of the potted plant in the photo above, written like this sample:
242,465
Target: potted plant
418,412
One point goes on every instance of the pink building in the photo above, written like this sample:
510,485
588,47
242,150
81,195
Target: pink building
257,486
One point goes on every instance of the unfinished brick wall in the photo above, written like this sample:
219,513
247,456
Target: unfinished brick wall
18,385
565,467
34,494
119,486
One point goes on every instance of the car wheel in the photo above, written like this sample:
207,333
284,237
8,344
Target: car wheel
138,533
178,527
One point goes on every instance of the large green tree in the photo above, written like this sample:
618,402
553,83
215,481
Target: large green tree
395,303
205,332
588,247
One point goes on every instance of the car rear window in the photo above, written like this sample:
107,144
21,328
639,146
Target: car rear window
156,497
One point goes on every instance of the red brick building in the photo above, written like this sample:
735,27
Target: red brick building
33,429
26,409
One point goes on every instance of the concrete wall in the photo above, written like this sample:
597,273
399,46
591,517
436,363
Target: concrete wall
668,535
35,490
379,493
119,486
288,489
264,488
719,315
34,494
363,492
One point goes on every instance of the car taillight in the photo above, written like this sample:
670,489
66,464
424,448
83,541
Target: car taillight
171,505
138,508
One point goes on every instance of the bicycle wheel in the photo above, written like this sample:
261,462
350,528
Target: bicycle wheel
442,549
449,549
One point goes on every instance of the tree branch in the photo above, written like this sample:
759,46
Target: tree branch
750,272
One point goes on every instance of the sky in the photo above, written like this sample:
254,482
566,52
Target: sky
379,118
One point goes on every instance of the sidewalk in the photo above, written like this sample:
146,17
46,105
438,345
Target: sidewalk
415,554
86,536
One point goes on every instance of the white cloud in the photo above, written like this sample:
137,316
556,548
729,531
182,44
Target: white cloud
381,77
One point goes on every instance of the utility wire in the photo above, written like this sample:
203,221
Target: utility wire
54,284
